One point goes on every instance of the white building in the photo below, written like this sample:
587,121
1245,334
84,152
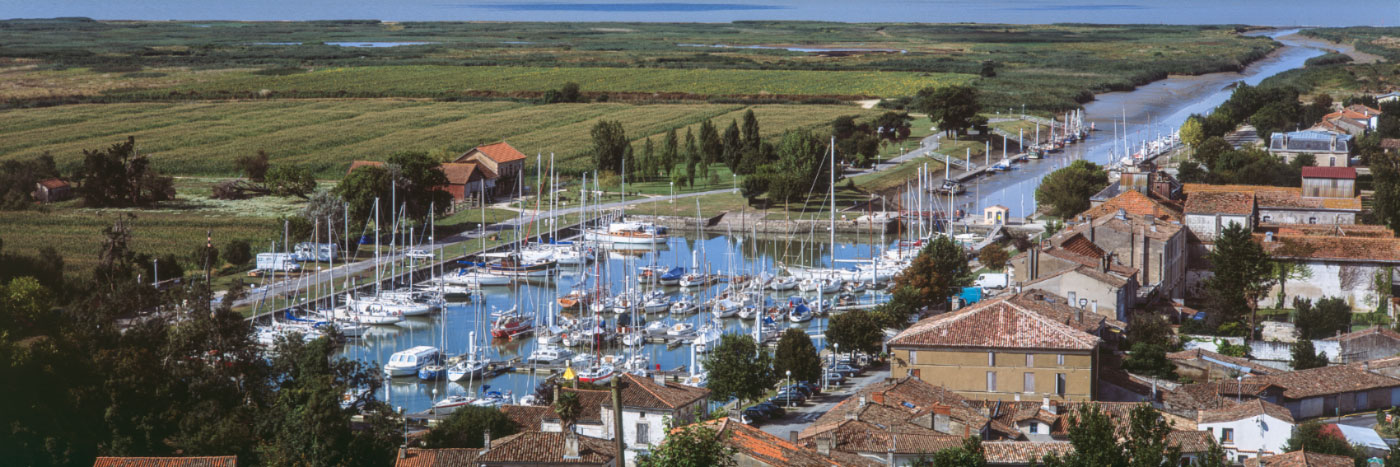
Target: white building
1249,429
649,406
1208,213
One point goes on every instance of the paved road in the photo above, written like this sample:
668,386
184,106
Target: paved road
797,419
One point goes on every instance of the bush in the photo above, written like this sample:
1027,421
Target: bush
238,252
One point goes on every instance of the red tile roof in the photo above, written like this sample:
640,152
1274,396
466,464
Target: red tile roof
1299,459
1243,410
763,447
52,183
1327,380
1363,109
1334,230
540,447
462,173
1079,245
1333,248
1058,308
1208,202
1137,204
995,324
1190,441
501,152
1023,452
1267,197
642,392
1343,173
591,402
220,461
528,417
896,402
416,457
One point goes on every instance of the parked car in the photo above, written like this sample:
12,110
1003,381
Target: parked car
835,378
802,389
813,388
755,415
788,398
773,410
845,370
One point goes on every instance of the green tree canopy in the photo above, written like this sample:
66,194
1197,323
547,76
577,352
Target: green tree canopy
856,331
732,146
1305,356
286,180
253,166
950,107
738,368
119,177
609,144
970,454
796,353
1192,132
419,181
1151,360
467,427
1323,319
18,178
694,445
1243,273
1309,436
1066,191
936,272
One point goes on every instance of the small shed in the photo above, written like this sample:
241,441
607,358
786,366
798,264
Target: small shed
995,214
1329,182
52,190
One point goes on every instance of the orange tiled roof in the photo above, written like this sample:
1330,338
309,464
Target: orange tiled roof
766,448
1338,379
52,183
1057,308
1245,410
538,447
462,173
591,402
1299,459
1079,245
1385,331
1265,197
646,393
1316,247
501,152
416,457
900,401
1023,452
529,417
1190,441
1219,202
1363,109
1332,230
220,461
995,324
1135,204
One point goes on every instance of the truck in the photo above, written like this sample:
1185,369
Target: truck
991,281
308,251
274,262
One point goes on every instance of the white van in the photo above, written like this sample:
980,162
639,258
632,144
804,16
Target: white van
991,281
408,362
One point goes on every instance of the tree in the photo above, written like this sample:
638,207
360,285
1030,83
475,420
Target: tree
694,445
467,427
1326,318
238,252
856,331
753,186
1309,436
893,125
1213,457
796,353
934,274
1191,172
950,107
970,454
1286,270
1305,356
205,256
895,313
290,181
1095,441
738,368
649,165
1150,328
711,146
118,177
1147,444
253,166
419,181
989,69
1385,170
1276,116
1243,273
802,167
994,257
670,152
18,178
609,144
568,408
1151,360
326,211
751,137
570,93
1209,152
692,158
1192,132
361,189
732,146
1067,191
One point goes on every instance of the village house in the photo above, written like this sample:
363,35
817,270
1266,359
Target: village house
647,406
1330,149
52,190
464,179
447,457
1000,350
1070,265
1337,265
753,447
1248,429
1329,182
1208,213
590,418
501,160
1048,420
1300,459
894,422
1334,390
1158,189
1374,343
1355,120
1155,248
1187,400
539,448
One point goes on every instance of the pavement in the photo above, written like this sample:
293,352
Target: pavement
799,418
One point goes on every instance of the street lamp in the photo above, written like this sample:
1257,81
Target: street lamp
434,401
405,425
787,388
673,192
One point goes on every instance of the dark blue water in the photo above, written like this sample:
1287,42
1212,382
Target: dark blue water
1261,12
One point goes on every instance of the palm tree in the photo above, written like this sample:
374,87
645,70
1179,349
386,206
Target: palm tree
568,408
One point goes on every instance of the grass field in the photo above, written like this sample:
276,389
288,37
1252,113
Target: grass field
896,176
204,138
459,81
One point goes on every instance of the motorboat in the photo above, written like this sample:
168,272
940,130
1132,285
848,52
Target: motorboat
684,306
576,298
461,277
696,279
583,360
724,308
491,398
408,362
656,302
628,232
597,375
471,367
672,276
454,401
782,283
549,354
680,329
511,324
656,328
432,372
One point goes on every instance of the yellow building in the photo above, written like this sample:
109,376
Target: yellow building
1000,350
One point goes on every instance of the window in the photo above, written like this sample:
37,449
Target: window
913,357
1030,361
991,381
1035,428
991,359
1312,220
1362,401
1060,359
1267,218
1227,435
643,431
1028,385
1060,384
1332,161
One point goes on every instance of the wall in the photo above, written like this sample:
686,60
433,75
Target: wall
1112,302
1208,226
1251,438
1306,216
1157,261
1349,280
1329,187
965,371
1324,158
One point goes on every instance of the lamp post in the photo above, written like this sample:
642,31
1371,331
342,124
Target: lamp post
835,356
405,425
673,192
787,388
435,402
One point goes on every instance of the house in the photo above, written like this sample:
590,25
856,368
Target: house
1101,290
1047,420
753,447
1154,247
1248,429
1188,400
995,214
52,190
1334,390
1300,459
1337,265
1387,97
1329,182
1204,365
999,350
218,461
1023,453
464,179
894,422
1347,121
1135,204
1059,309
1208,213
1193,444
539,448
1269,204
1374,343
500,159
648,405
590,417
416,457
1329,148
1146,180
527,417
1069,264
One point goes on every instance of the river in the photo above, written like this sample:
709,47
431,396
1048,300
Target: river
1150,110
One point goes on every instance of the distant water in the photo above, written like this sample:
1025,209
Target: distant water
1260,12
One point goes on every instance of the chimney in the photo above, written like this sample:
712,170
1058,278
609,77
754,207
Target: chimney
877,397
824,445
658,377
792,436
862,401
1047,406
571,446
486,438
1072,302
403,452
889,452
1094,304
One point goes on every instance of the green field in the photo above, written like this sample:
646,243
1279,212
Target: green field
469,81
204,138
